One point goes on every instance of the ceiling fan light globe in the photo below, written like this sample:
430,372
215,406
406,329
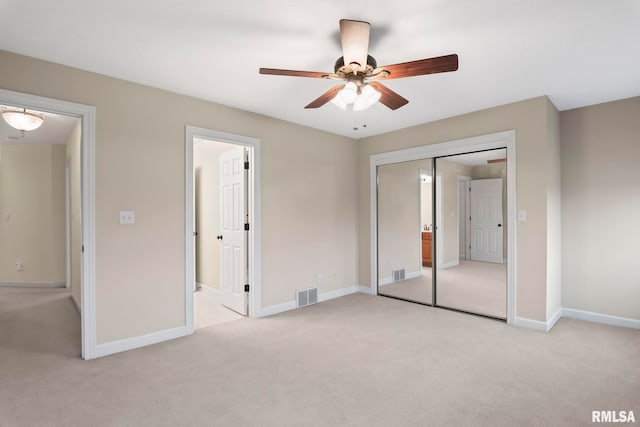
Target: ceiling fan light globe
370,95
339,102
349,93
360,104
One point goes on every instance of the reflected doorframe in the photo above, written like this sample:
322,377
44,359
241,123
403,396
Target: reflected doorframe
506,139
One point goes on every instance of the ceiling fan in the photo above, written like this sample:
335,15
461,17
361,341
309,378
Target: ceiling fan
361,74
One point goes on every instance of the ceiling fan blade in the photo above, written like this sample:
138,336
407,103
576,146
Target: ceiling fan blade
325,97
278,72
354,36
389,97
440,64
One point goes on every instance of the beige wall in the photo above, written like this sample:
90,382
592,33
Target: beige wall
600,204
32,221
529,120
206,161
309,196
399,238
73,153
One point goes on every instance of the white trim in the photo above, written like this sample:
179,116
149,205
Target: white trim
449,264
87,115
337,293
67,223
76,303
389,280
506,139
137,342
33,284
537,324
215,293
255,296
551,322
291,305
465,215
607,319
365,290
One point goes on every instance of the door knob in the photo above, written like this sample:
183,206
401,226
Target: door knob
219,237
499,225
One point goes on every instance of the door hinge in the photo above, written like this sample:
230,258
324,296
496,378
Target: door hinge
82,248
246,288
246,165
246,227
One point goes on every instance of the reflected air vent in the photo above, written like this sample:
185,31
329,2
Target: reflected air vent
306,297
398,275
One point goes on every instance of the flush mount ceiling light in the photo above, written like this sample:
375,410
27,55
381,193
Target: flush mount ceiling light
22,120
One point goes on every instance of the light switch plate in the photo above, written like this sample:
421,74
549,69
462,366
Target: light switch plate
522,216
127,217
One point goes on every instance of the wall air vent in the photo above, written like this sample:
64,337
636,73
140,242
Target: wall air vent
398,274
306,297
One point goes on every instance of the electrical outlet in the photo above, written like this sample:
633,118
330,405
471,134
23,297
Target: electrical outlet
127,217
18,265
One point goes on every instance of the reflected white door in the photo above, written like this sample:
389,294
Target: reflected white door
486,220
233,255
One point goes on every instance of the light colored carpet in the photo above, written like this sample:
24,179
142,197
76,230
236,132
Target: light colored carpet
354,361
478,287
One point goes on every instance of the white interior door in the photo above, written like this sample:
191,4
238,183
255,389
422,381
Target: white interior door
486,220
233,256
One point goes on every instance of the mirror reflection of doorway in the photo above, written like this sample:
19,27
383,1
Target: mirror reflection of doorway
460,216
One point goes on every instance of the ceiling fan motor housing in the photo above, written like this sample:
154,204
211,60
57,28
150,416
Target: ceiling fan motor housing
340,66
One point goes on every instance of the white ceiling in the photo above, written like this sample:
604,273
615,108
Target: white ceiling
578,52
55,129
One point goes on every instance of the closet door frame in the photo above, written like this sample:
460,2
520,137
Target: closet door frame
506,139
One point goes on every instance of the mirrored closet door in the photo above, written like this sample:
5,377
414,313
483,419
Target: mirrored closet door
471,273
405,230
441,231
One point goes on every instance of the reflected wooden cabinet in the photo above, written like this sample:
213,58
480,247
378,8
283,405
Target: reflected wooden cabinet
426,249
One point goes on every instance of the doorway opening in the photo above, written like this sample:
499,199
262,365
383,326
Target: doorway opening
48,212
222,227
461,196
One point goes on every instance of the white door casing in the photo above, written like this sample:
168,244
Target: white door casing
233,255
486,220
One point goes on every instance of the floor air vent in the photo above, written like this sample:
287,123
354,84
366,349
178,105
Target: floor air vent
398,275
307,297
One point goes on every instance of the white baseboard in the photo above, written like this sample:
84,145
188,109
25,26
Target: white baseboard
137,342
337,293
407,276
291,305
551,322
538,325
366,290
34,284
450,264
76,303
601,318
276,309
